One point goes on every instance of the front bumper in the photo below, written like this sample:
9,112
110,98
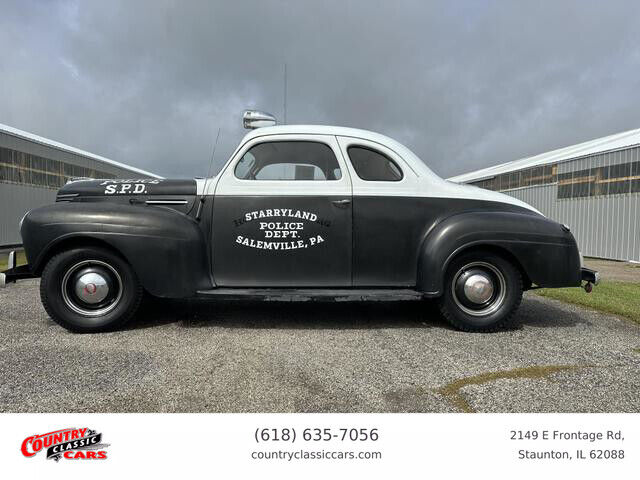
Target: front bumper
14,272
590,276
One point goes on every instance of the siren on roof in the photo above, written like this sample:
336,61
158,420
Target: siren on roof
255,119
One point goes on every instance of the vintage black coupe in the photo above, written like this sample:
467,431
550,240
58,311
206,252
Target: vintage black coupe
297,210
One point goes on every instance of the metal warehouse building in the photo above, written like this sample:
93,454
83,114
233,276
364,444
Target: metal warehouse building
594,187
32,168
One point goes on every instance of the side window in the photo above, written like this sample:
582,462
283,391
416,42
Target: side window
373,166
296,160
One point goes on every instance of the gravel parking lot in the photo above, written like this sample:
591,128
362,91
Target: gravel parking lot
238,356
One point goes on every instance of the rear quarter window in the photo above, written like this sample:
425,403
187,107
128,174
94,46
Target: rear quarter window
371,165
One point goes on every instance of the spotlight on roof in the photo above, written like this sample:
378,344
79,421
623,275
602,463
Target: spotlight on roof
255,119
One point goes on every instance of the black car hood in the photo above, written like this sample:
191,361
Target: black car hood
126,187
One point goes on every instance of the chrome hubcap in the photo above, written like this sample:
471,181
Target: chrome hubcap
91,288
479,289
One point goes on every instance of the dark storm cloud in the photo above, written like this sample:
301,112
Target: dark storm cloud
463,84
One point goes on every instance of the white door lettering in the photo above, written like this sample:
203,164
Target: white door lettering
291,233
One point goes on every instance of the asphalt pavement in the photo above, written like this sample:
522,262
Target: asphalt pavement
238,356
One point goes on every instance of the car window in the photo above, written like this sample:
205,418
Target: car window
290,171
296,160
371,165
245,165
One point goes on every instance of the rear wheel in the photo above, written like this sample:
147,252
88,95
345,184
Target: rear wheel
89,290
482,292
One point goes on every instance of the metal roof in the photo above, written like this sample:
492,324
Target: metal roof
60,146
604,144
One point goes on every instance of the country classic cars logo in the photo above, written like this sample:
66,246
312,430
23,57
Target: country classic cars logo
70,443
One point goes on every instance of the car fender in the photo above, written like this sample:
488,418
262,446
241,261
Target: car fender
166,249
544,250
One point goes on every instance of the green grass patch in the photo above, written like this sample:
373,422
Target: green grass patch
21,260
619,298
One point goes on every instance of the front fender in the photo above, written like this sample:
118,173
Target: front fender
546,252
166,249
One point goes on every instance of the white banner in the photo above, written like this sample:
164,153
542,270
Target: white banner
317,445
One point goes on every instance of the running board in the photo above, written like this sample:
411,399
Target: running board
306,293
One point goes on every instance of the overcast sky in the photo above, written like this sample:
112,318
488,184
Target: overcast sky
464,84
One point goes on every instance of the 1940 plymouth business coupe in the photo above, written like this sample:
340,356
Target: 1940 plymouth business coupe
297,210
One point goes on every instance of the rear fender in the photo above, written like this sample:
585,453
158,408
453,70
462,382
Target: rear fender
543,249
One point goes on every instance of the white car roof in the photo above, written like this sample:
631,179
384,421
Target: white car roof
388,142
429,184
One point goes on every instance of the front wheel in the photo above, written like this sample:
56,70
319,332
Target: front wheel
89,290
482,292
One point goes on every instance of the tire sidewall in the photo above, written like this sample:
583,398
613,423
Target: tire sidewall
51,290
513,294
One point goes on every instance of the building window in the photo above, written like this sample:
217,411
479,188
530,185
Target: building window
529,177
590,182
635,177
597,181
26,169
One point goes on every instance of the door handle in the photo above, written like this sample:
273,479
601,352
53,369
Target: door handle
342,203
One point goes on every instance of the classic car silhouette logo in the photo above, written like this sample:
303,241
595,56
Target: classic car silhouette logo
70,443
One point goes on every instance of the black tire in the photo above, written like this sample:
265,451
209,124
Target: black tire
497,311
66,306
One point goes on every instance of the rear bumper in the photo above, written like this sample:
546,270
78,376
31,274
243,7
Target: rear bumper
590,276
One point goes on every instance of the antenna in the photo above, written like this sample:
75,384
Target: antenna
213,154
285,95
206,180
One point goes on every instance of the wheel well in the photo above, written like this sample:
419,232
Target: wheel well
504,253
74,242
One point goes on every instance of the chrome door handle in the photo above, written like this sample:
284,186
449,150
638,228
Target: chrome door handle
342,203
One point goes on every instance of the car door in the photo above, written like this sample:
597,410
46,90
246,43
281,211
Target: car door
282,215
388,217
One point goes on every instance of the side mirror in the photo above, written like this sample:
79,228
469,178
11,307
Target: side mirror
255,119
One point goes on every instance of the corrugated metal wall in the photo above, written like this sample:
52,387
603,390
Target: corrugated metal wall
605,226
15,201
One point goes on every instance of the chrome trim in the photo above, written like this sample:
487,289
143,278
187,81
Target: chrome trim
22,220
65,195
82,311
255,119
11,261
77,179
166,202
3,280
478,288
92,288
495,304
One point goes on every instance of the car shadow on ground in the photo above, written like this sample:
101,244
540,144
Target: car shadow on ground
311,314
